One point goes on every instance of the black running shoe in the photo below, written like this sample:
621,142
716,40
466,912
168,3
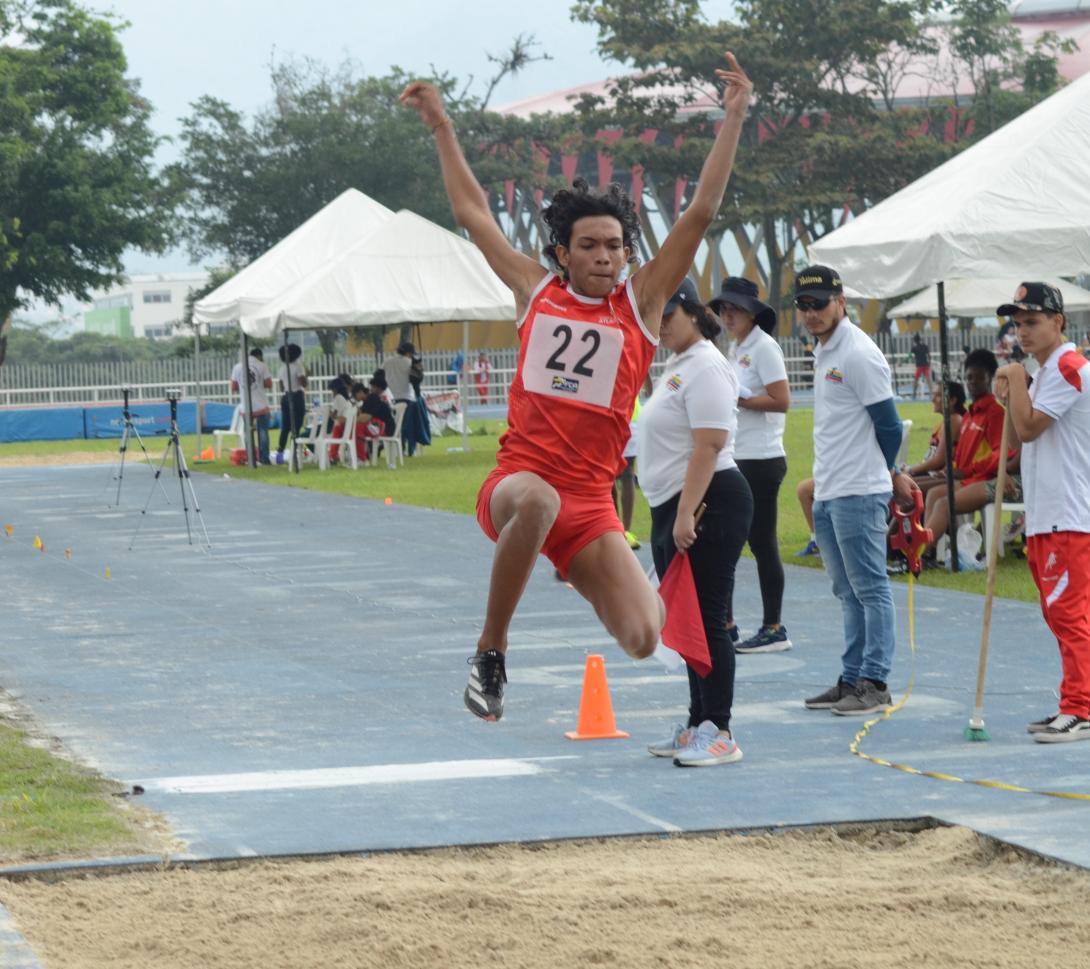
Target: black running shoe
1065,727
484,692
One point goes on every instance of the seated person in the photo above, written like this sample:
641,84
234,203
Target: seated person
805,494
932,469
341,389
976,459
375,418
380,376
970,498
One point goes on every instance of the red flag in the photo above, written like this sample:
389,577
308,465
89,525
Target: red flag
684,629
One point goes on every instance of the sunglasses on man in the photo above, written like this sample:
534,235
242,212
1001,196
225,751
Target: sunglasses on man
805,303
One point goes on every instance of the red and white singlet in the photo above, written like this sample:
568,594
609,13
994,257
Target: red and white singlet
581,364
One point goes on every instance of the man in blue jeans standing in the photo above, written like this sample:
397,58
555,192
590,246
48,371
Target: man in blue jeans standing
856,437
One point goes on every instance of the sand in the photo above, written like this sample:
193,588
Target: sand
72,457
943,897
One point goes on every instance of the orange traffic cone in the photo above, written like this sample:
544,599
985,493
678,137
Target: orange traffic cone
595,708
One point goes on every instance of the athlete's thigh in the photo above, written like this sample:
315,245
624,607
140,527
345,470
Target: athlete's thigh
611,579
518,491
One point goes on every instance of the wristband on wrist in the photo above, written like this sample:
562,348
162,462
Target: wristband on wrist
438,125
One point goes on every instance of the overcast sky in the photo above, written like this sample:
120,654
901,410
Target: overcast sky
181,50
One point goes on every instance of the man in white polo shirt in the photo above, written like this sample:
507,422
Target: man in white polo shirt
856,437
1052,419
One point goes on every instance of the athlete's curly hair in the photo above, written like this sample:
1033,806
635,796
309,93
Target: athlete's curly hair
569,205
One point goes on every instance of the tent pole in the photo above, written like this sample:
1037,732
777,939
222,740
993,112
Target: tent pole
944,351
293,463
247,403
465,385
197,368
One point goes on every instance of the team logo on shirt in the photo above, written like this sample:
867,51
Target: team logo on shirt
674,383
565,385
745,361
834,375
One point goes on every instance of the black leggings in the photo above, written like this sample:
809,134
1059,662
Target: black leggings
765,477
293,405
720,536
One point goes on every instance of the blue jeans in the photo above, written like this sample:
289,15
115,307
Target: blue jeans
851,533
262,422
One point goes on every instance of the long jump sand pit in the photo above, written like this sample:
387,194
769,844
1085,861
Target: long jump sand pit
864,897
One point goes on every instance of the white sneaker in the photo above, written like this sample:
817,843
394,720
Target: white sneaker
708,747
669,746
1064,728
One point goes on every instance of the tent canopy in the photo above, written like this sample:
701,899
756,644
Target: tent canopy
406,270
1016,203
348,218
980,297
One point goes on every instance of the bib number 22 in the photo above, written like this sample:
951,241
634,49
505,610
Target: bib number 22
572,360
591,337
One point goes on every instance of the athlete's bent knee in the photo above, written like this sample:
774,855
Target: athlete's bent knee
639,640
539,507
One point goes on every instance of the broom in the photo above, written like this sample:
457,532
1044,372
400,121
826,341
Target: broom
975,730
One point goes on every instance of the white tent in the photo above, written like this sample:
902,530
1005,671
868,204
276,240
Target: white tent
980,297
1016,203
348,218
406,270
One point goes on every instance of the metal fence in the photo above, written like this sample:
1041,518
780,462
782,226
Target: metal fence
91,383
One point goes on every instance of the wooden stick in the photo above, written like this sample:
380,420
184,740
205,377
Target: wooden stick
993,559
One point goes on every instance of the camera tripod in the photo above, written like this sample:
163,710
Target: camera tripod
128,432
175,454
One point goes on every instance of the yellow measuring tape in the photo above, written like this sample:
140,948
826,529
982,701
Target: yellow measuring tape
937,775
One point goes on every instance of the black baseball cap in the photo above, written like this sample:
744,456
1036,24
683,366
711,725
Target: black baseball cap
1035,297
821,282
686,294
743,293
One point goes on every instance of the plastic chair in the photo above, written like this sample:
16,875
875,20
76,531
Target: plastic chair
987,514
330,446
391,442
902,451
314,424
236,429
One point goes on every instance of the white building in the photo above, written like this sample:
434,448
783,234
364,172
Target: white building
150,305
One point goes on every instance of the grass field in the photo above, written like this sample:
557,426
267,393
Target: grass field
50,806
449,481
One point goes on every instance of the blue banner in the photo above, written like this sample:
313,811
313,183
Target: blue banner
71,423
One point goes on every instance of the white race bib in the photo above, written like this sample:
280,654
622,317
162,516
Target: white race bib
572,360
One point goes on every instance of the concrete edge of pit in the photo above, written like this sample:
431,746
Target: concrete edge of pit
60,870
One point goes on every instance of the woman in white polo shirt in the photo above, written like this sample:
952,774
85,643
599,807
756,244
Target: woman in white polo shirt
763,400
686,438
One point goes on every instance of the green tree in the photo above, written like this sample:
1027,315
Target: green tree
816,139
1007,77
77,185
823,134
247,183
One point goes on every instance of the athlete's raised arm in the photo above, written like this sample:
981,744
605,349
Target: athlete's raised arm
518,271
660,277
